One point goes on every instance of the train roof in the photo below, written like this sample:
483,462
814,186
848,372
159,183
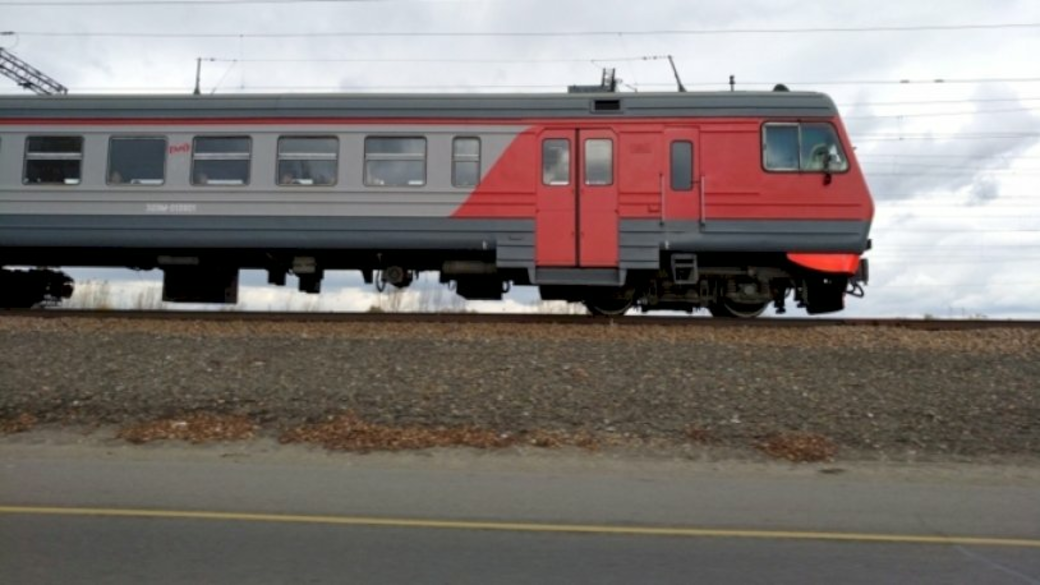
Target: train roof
423,106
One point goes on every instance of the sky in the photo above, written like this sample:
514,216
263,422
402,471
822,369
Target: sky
953,164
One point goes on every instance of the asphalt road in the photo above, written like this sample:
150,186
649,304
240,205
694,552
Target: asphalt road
265,514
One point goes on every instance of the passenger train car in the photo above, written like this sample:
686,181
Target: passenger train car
723,201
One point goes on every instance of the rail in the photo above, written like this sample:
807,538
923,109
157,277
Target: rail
522,318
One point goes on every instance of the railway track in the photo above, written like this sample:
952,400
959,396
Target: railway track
521,319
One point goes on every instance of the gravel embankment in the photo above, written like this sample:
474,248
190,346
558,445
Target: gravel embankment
886,391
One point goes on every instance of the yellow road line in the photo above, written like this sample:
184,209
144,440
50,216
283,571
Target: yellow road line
524,526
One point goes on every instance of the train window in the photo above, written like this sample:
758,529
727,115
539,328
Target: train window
221,160
821,150
307,160
781,147
395,162
136,161
55,160
682,165
465,162
556,161
599,161
803,147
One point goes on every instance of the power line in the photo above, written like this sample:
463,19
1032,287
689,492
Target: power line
948,81
882,248
970,261
967,231
975,217
71,3
460,86
536,34
941,137
958,285
901,198
936,102
934,174
869,160
994,134
902,155
419,60
972,209
940,114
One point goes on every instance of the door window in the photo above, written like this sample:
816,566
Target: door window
599,161
682,165
556,161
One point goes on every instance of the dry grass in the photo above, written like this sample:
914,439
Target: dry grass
348,432
701,436
799,447
19,424
557,439
194,428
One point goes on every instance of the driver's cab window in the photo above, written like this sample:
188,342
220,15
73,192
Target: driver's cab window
821,150
810,147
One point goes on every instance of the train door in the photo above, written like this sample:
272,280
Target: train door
557,213
683,190
577,202
597,200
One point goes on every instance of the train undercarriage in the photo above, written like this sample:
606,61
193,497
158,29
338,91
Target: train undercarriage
723,286
727,286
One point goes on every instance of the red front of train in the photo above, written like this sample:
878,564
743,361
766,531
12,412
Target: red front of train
728,214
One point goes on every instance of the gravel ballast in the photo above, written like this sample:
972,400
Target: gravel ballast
867,390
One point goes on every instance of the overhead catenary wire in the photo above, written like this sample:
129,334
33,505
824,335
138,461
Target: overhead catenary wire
944,137
554,86
130,3
941,114
420,60
874,155
933,102
532,34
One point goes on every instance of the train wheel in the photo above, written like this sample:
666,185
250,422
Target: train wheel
608,307
728,309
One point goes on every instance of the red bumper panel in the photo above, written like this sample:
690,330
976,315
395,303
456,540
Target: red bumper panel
834,263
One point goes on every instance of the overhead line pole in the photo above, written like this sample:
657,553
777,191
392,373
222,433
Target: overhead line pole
29,77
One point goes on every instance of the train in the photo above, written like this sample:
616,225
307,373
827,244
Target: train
678,201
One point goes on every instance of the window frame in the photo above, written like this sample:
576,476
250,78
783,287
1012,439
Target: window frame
366,157
456,158
220,156
26,157
108,161
585,160
798,124
278,159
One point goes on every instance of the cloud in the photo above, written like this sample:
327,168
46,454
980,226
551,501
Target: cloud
907,158
984,190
